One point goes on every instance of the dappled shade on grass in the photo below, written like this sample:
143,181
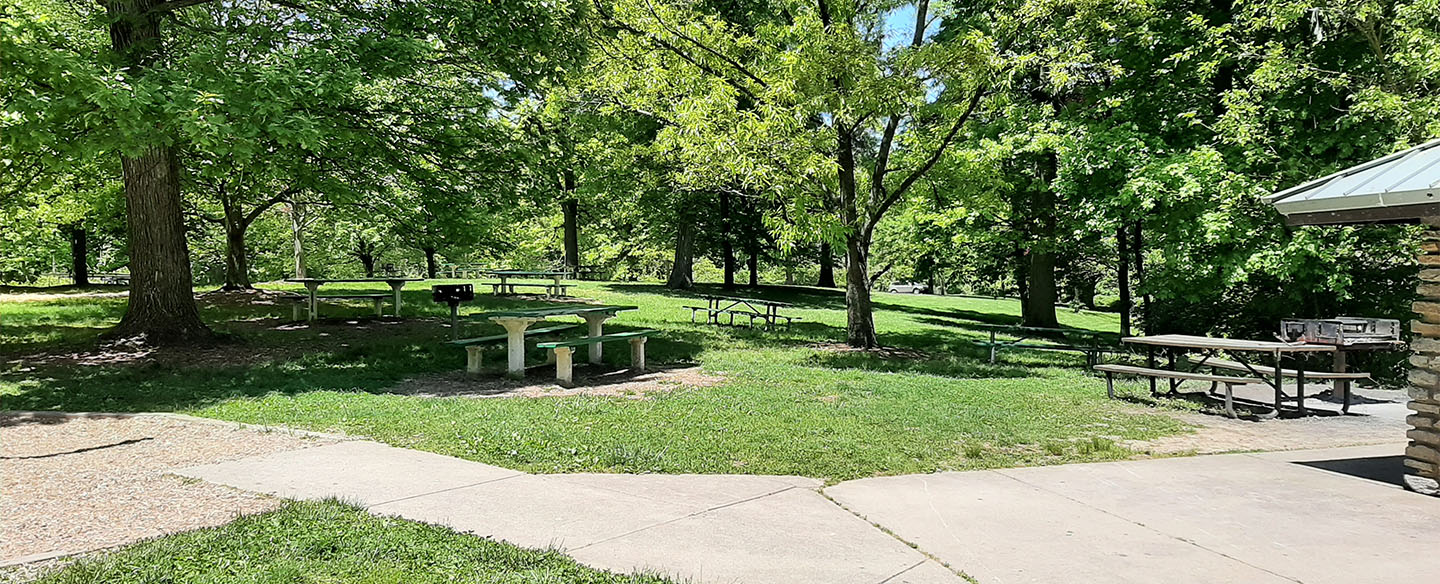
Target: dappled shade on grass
330,542
793,402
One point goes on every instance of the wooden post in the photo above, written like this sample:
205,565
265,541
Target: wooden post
637,353
455,320
564,370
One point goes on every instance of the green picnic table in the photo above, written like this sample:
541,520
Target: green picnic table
507,287
516,321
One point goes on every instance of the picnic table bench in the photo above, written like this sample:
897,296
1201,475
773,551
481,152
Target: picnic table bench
750,308
1092,344
555,288
311,301
516,322
474,346
563,351
1210,348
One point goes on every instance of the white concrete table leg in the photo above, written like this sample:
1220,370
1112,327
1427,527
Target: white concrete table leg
637,353
314,304
515,343
379,307
472,360
596,322
564,368
395,288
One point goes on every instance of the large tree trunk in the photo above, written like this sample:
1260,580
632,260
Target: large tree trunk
161,307
79,253
431,267
237,266
859,320
681,271
297,237
1138,242
1039,307
1122,278
827,266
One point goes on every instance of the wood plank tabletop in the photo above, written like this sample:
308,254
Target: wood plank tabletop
325,280
1201,342
555,311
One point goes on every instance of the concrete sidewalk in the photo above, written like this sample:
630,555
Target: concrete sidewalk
1252,518
1261,518
703,528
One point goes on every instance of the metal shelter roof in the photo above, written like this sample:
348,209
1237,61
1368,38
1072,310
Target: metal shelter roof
1392,183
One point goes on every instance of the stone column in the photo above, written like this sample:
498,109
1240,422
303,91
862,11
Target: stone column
1423,455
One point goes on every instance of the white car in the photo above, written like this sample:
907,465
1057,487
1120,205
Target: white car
909,288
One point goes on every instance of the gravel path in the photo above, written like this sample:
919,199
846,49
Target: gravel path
70,485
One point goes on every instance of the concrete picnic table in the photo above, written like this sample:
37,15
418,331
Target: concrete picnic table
516,321
1278,350
312,285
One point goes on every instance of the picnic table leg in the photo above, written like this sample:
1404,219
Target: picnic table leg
1279,383
1110,384
395,288
992,346
596,323
1300,388
1150,362
314,304
472,360
1230,400
515,344
1174,383
1342,386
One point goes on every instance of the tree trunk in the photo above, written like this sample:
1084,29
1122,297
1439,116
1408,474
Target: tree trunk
431,267
727,247
827,267
237,266
161,307
1139,244
1039,308
79,253
859,321
681,272
1122,278
366,254
297,236
754,266
572,234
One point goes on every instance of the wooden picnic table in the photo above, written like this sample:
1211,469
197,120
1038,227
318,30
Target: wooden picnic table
767,310
312,285
508,288
1210,347
516,321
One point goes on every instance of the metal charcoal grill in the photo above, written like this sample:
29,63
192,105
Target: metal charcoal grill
1342,331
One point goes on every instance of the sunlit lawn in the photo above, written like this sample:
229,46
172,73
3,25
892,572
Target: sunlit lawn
790,403
330,542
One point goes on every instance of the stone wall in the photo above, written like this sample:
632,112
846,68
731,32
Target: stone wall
1423,455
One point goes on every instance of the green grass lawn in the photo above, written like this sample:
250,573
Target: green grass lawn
329,542
789,403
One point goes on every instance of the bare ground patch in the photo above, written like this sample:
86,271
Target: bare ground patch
588,381
71,485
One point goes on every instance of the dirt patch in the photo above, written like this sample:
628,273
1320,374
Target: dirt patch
70,485
599,382
1377,417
